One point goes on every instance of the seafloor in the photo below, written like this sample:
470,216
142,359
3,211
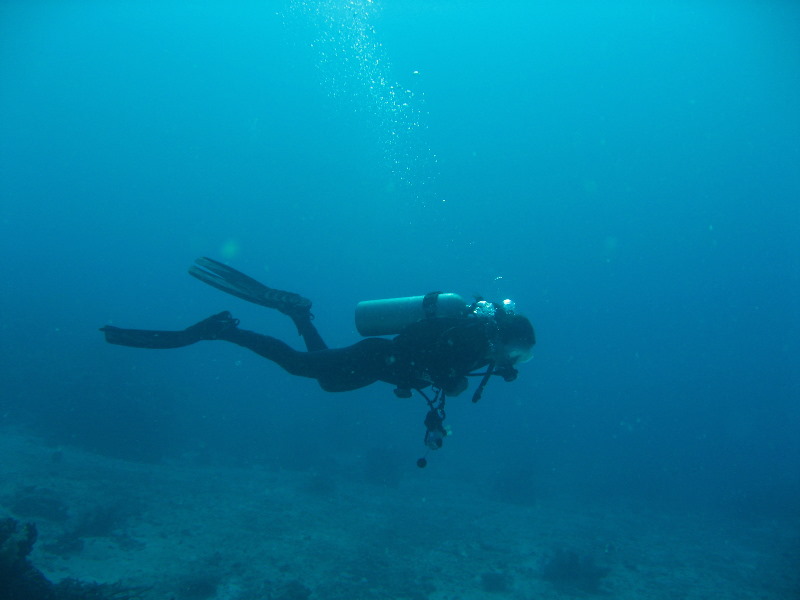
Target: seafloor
186,531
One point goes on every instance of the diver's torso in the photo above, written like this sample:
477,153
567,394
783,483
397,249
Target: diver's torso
439,352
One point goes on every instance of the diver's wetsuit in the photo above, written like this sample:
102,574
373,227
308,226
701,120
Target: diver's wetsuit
435,351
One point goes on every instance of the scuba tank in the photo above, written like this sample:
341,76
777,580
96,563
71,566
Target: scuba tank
390,316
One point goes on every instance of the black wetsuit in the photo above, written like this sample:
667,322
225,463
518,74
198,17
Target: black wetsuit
435,351
438,352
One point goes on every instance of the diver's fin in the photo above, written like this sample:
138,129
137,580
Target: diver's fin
143,338
238,284
208,329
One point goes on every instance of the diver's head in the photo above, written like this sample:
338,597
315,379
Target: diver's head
515,338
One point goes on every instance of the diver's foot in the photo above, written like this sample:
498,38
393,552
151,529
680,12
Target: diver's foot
236,283
214,326
290,304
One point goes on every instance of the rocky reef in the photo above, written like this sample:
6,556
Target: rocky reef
20,580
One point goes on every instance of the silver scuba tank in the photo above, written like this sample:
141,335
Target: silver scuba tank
390,316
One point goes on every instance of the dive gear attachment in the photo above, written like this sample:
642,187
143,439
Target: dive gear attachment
479,391
391,315
435,431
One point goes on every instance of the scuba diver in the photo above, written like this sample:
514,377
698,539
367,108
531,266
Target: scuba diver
439,341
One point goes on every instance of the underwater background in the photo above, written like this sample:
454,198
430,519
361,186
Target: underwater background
627,172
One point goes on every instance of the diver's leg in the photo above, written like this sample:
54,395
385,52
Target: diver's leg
273,349
207,329
336,370
235,282
353,367
303,321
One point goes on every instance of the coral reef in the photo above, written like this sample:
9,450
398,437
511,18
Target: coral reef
20,580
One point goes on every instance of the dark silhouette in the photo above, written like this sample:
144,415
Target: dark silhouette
20,580
439,343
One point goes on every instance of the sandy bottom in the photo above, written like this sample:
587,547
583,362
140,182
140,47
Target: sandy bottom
201,532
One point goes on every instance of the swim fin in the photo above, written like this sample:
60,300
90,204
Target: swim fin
238,284
210,328
144,338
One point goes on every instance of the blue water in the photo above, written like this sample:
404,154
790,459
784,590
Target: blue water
626,171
